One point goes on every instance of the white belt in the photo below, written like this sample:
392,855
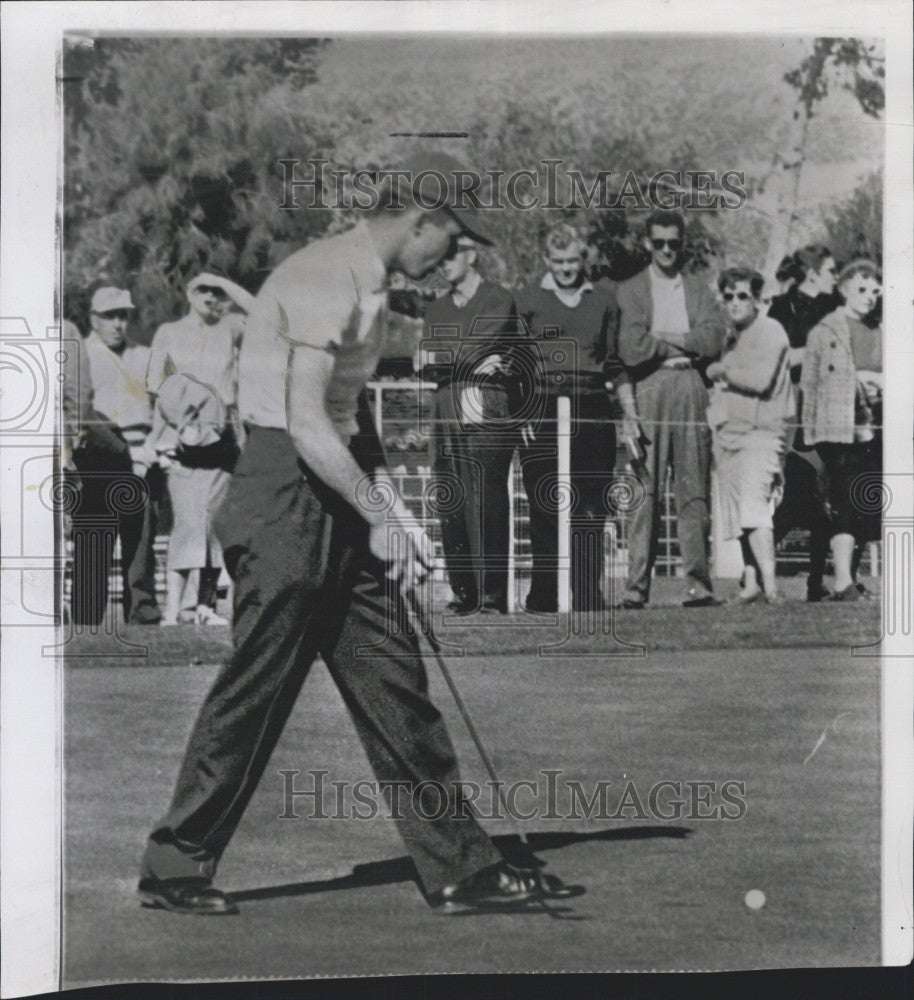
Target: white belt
677,363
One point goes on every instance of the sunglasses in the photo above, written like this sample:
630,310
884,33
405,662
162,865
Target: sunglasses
115,314
674,245
742,296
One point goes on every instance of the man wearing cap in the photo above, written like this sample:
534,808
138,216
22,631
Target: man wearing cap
671,328
192,379
317,540
473,329
113,461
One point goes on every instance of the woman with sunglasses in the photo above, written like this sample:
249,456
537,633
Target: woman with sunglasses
750,414
192,380
842,398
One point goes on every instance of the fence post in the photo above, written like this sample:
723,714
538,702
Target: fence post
563,503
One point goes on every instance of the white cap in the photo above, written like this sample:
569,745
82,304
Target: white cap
108,299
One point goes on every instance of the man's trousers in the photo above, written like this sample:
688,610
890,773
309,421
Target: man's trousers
112,501
672,406
471,467
592,459
306,585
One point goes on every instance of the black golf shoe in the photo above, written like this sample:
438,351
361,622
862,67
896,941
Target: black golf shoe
185,895
499,886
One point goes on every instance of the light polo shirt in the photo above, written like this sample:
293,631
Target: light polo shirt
119,383
329,296
669,318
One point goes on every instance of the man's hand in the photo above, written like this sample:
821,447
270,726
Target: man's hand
716,372
403,546
140,469
872,384
631,427
527,435
397,538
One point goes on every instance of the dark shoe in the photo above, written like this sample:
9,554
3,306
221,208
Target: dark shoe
497,886
535,606
185,895
867,595
850,593
630,604
705,601
817,593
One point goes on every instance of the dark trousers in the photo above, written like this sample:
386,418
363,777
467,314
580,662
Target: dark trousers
593,457
307,586
471,467
803,506
854,476
673,404
112,501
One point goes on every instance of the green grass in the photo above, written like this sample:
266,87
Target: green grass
330,897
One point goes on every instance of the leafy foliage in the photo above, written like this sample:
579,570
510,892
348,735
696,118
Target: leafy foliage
854,227
170,161
850,63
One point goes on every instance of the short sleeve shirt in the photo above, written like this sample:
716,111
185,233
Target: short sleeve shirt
329,296
119,382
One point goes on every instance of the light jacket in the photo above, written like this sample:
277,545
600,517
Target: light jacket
758,393
829,382
639,349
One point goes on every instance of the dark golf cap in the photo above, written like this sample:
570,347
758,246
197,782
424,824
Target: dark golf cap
437,183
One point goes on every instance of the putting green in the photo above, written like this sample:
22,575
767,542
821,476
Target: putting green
798,729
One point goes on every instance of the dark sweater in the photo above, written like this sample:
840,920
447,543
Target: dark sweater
486,325
798,313
593,326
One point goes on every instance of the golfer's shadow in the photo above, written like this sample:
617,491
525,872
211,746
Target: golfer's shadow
402,869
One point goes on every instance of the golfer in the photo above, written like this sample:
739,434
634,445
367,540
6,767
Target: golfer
314,557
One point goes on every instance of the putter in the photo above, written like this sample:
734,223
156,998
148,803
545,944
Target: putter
425,628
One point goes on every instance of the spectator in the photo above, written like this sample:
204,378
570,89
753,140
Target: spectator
809,298
671,327
112,462
192,379
583,315
842,392
751,411
474,437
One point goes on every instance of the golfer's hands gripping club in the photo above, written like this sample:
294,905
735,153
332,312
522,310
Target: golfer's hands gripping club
401,543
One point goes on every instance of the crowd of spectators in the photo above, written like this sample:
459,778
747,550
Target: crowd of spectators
781,394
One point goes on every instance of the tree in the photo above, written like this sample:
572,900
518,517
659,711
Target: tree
854,227
170,163
846,63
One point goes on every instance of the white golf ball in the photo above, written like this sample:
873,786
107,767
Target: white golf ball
755,899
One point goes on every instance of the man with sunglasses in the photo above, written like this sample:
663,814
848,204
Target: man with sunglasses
473,325
112,461
671,328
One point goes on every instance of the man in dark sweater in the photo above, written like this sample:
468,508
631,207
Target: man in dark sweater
575,323
467,349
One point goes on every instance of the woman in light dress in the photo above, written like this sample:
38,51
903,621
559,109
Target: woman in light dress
196,435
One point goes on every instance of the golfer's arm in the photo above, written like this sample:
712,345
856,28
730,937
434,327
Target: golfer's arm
314,433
